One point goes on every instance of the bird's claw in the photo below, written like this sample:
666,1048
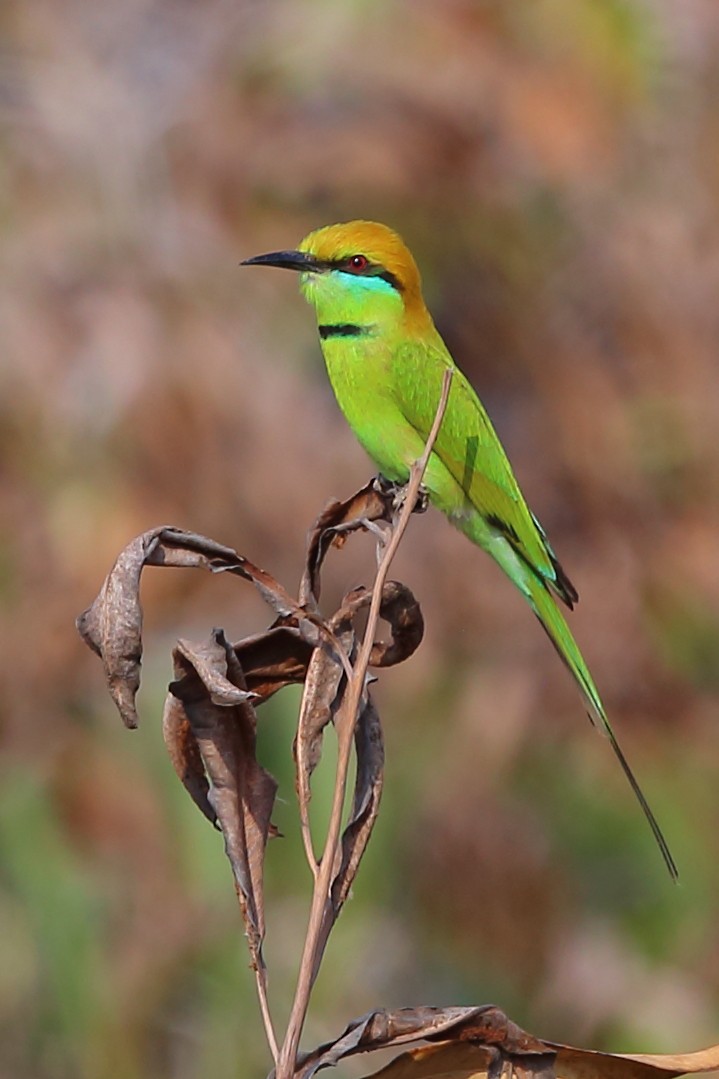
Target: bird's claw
422,503
397,491
383,486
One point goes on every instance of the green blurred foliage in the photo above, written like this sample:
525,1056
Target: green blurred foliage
554,164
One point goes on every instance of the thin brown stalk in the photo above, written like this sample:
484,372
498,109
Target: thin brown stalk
316,937
261,984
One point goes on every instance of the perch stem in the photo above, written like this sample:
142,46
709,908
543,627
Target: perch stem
261,983
317,934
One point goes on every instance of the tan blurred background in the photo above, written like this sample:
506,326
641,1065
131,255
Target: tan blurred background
554,165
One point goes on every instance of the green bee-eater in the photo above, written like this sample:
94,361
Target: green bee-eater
386,363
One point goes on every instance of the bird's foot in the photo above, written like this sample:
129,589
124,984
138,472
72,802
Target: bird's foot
422,503
383,486
397,491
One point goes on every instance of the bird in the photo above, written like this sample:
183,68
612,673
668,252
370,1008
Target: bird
386,363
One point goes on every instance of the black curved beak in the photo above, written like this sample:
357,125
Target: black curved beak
286,260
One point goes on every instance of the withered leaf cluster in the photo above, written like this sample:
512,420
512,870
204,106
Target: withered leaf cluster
210,720
210,727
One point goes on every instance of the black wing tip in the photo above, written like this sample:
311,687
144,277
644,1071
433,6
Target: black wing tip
560,583
563,586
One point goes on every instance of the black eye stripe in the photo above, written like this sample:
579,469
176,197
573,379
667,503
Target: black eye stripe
372,269
391,279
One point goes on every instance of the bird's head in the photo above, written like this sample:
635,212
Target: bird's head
355,269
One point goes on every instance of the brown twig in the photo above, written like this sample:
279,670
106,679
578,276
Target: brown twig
316,936
261,985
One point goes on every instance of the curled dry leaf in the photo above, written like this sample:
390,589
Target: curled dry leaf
323,694
377,501
274,659
369,746
210,686
176,547
401,610
337,520
462,1060
588,1064
269,661
185,755
485,1028
112,625
321,697
369,778
484,1042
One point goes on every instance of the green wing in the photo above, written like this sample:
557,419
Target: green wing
469,448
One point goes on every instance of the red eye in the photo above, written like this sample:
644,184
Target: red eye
359,262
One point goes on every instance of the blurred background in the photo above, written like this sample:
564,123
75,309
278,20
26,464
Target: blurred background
554,166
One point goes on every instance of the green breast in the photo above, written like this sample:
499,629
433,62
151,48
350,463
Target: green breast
360,371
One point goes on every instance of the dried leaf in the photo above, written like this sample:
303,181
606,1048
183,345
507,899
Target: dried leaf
587,1064
484,1042
486,1030
369,746
211,687
320,700
112,625
276,658
179,548
465,1060
401,610
462,1060
185,755
176,547
337,520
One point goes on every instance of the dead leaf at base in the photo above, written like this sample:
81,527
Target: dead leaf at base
482,1042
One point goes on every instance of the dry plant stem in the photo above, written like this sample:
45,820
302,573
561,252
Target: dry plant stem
309,849
261,983
316,937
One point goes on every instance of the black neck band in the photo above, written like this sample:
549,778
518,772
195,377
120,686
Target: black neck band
341,329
